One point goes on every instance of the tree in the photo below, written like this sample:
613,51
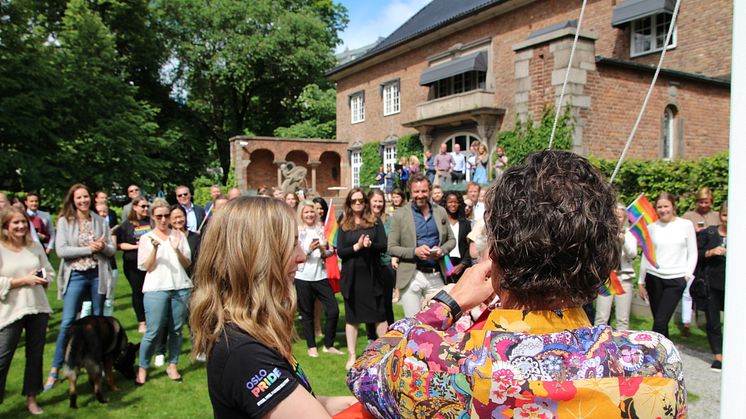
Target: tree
317,115
243,64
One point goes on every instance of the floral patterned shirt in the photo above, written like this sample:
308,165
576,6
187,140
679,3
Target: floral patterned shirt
538,364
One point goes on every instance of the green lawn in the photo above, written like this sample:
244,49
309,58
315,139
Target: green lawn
162,398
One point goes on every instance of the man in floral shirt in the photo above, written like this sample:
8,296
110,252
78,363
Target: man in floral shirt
553,239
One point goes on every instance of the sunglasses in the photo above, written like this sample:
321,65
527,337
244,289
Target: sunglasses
160,216
144,206
181,195
357,201
132,190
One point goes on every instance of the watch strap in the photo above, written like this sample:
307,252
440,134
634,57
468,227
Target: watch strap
446,299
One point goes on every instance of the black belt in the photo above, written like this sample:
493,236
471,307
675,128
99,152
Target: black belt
428,270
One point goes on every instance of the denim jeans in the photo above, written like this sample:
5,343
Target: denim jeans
158,305
80,283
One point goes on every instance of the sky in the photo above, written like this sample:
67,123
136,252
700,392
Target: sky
370,19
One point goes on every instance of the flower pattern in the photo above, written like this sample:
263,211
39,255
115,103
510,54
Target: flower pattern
523,365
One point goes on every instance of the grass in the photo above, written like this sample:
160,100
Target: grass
162,398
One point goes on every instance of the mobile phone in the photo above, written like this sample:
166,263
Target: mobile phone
41,273
433,252
701,223
314,240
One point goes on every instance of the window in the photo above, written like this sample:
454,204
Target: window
356,162
389,156
391,98
668,135
460,83
357,107
649,34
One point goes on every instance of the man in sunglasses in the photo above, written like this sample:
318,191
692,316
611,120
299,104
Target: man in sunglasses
133,191
194,213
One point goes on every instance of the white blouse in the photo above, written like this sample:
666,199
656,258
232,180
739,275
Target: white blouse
168,273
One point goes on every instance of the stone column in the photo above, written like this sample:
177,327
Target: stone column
523,83
279,164
314,164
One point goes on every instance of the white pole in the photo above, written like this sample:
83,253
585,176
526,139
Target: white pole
733,402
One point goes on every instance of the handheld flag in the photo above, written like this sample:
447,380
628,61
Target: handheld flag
641,233
331,228
449,265
641,208
611,287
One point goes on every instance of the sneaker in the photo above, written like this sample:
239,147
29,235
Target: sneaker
201,358
716,366
159,361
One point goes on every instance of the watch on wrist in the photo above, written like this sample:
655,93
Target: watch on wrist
446,299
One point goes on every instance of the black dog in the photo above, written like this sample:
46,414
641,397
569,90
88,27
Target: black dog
97,343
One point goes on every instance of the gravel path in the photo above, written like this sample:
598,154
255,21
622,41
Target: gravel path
703,382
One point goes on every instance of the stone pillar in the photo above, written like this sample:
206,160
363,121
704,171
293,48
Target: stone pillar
314,164
279,164
523,83
425,136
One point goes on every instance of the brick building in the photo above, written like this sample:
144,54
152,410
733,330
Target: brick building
466,69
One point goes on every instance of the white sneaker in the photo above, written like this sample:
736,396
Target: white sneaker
201,358
159,360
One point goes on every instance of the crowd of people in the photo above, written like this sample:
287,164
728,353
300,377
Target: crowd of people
488,262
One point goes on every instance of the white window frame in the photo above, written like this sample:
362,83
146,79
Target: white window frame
668,136
391,98
356,162
389,156
655,30
357,107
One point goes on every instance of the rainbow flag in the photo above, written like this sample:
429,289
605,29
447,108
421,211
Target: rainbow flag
641,233
641,208
613,286
331,228
449,265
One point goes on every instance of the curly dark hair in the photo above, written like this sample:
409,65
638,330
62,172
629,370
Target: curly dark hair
552,231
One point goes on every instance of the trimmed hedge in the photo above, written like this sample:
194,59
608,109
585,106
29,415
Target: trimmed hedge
680,177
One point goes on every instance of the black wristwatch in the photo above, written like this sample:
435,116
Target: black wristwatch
446,299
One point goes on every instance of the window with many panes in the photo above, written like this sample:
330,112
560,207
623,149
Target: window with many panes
356,162
460,83
389,156
357,107
649,34
391,98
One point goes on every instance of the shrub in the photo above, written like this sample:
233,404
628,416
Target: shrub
528,137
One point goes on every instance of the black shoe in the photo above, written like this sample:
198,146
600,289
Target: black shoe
716,366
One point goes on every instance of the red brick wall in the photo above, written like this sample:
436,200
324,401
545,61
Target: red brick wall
704,44
617,98
261,170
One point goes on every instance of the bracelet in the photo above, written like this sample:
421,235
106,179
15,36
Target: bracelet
446,299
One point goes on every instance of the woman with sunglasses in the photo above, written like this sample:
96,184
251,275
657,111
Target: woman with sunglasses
164,255
128,241
84,246
360,242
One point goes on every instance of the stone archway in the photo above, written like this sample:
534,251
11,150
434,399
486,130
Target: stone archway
328,174
261,171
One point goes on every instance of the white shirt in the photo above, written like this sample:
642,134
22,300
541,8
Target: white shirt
675,250
459,162
191,218
477,212
455,253
168,274
629,252
314,269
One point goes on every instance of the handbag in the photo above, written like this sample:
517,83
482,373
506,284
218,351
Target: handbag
700,287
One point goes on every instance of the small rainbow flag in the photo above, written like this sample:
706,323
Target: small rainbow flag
331,228
641,233
613,286
449,265
641,208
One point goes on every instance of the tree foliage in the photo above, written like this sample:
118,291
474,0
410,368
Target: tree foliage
243,64
532,136
316,111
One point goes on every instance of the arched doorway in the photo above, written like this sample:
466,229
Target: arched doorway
261,171
328,173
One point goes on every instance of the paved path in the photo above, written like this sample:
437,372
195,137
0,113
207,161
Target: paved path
703,382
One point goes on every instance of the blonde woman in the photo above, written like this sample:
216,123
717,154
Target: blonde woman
310,280
482,159
243,311
24,275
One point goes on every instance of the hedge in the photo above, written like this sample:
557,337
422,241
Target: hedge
680,177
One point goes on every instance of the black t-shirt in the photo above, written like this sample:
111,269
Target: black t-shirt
129,233
246,378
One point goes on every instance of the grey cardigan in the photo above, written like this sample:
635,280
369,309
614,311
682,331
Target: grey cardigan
67,243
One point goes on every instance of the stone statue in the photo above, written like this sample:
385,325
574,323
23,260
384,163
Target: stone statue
294,177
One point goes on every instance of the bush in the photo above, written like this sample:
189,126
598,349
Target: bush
371,163
680,177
